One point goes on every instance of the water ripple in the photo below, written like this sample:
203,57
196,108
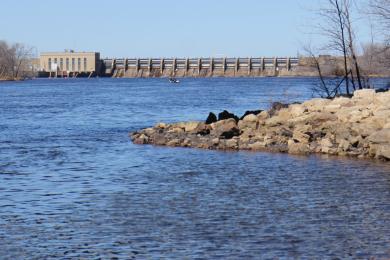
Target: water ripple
72,185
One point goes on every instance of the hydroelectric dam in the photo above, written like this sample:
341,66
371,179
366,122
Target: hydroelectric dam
200,67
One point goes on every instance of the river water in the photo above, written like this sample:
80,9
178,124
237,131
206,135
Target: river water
72,185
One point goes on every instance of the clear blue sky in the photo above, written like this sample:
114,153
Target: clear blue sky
155,28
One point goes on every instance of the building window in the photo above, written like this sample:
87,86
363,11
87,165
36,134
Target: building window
55,61
61,63
49,63
78,64
67,64
73,64
85,64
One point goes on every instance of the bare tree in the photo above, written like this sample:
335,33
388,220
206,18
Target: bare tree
380,9
15,60
22,59
327,87
376,59
5,61
351,42
336,24
335,29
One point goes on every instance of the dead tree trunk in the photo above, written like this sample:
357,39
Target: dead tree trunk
351,46
341,24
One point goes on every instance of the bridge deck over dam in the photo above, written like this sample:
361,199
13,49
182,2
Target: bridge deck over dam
200,67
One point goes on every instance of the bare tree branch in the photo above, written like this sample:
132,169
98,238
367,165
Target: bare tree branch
15,60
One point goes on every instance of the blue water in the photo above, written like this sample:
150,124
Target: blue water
73,186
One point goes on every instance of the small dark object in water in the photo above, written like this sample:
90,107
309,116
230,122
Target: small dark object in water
226,115
212,118
255,112
173,80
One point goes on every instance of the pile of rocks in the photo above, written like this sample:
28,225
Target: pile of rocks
357,126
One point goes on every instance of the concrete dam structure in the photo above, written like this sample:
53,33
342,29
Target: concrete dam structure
200,67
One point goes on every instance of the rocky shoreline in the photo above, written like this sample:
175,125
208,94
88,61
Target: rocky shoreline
358,126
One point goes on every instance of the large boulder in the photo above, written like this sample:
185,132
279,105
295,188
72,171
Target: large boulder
364,93
364,130
175,130
342,101
251,112
232,143
380,137
225,128
212,118
257,146
250,123
250,118
284,114
316,104
387,125
326,145
383,99
150,131
383,151
364,96
230,133
382,113
191,126
174,142
297,110
300,137
161,125
276,106
202,129
263,115
344,145
358,115
332,108
297,148
139,138
375,123
274,121
319,117
381,90
226,115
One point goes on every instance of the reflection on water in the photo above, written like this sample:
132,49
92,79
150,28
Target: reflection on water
72,185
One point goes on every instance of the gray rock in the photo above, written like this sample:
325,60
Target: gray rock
380,137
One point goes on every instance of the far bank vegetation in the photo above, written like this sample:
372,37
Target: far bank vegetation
348,60
15,61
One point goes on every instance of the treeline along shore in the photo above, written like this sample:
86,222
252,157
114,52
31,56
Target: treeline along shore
358,126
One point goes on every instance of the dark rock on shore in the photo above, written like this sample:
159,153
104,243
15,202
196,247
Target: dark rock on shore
226,115
212,118
276,106
249,112
381,90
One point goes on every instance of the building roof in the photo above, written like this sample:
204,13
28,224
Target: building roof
67,53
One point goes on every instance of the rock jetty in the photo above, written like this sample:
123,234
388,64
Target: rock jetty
358,126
